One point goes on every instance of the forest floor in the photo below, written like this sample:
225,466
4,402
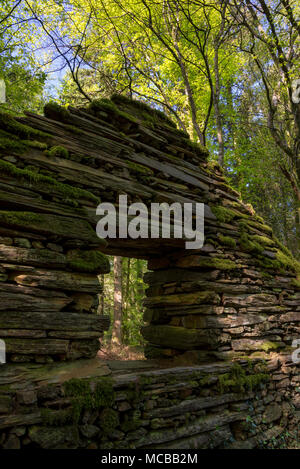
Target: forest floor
121,352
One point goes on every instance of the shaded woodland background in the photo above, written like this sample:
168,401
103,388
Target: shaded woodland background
124,291
224,71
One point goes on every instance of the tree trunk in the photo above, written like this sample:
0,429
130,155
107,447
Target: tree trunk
101,296
216,101
139,277
126,302
117,327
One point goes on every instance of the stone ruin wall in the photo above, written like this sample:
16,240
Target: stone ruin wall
238,298
163,408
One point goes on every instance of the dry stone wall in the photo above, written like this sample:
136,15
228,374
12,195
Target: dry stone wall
88,405
237,298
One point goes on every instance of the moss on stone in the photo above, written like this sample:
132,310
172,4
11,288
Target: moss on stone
211,241
214,165
131,425
145,381
57,418
19,218
223,214
269,345
148,112
205,381
63,190
296,282
56,112
217,263
288,262
109,420
227,240
107,105
139,168
195,147
73,129
179,132
88,261
35,144
284,258
58,151
249,223
258,218
237,380
283,248
250,246
103,104
263,240
89,395
11,144
266,263
11,125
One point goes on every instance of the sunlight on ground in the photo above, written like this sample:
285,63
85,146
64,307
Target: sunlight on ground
121,352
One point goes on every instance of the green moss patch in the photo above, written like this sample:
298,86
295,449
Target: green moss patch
156,114
208,262
227,241
213,165
19,218
57,151
248,224
237,380
56,112
288,262
64,190
12,126
109,420
250,246
268,346
263,240
88,261
282,247
107,105
89,395
268,264
196,147
224,214
296,282
11,144
35,144
57,418
139,168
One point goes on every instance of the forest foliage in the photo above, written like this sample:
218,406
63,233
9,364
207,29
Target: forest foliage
225,71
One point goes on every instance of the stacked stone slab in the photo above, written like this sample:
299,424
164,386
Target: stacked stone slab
239,294
236,298
219,313
49,261
209,406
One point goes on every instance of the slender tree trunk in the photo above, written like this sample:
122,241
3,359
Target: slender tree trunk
139,277
117,327
126,302
188,90
216,101
230,118
297,223
101,296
